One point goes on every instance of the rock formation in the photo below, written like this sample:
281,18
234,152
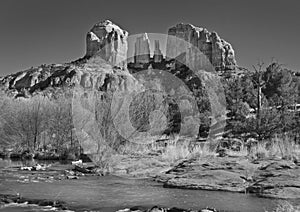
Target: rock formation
94,73
108,41
142,49
157,56
219,52
106,53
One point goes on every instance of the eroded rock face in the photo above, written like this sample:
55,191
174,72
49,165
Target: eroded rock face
109,41
142,49
219,52
95,73
157,56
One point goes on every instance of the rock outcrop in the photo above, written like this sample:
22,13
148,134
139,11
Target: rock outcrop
273,178
142,49
95,73
219,52
157,56
108,41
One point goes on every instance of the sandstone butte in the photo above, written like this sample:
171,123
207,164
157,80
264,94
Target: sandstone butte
104,66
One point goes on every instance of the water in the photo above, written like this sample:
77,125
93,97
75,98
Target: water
24,207
112,193
18,163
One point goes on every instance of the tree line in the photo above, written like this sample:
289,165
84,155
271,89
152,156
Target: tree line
261,103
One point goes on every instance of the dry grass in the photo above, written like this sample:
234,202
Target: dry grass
285,206
176,149
277,148
283,148
150,156
243,152
173,153
286,148
202,151
170,151
260,151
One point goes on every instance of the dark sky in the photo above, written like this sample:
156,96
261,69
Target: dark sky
34,32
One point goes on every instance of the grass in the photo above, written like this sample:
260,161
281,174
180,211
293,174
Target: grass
173,153
155,154
286,148
202,151
285,206
281,148
138,156
243,152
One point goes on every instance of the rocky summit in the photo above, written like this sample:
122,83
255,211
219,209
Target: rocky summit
109,41
219,52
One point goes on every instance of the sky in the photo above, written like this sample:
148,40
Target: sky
35,32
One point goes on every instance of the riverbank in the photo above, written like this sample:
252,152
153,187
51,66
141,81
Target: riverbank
92,192
268,177
8,200
272,178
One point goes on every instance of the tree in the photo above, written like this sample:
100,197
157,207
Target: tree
24,120
269,93
61,124
282,93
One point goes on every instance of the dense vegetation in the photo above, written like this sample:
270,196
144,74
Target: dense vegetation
262,104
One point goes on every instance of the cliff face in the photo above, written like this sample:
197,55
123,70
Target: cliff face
109,41
219,52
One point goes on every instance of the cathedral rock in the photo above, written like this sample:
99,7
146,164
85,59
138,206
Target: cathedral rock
107,42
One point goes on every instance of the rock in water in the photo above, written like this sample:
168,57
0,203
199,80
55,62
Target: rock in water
219,52
109,41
